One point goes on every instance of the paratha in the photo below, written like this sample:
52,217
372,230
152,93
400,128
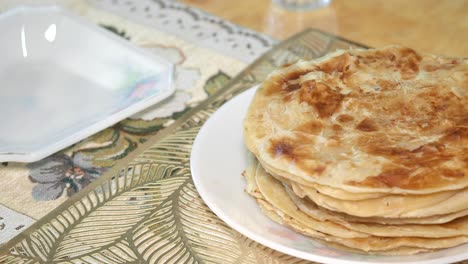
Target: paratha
389,205
386,120
364,149
275,193
309,207
395,206
371,244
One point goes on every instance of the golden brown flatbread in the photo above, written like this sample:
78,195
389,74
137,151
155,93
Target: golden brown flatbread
364,149
389,205
277,194
386,120
268,192
310,207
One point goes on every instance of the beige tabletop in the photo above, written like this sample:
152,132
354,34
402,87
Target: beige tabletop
434,26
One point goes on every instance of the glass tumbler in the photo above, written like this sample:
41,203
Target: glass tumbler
301,5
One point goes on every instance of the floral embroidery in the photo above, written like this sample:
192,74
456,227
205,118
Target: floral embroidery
61,173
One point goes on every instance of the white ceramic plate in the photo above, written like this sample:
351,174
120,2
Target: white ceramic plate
63,79
218,159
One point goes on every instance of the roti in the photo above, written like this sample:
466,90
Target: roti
388,120
279,208
278,195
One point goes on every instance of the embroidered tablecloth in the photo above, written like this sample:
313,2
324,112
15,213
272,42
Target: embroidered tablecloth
207,52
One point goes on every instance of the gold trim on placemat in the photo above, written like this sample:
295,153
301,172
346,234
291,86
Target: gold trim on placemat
146,209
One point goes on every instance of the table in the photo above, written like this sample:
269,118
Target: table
434,26
149,153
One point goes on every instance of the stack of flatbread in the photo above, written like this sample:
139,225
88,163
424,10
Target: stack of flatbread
364,150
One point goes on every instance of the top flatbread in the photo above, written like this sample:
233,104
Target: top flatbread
385,120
